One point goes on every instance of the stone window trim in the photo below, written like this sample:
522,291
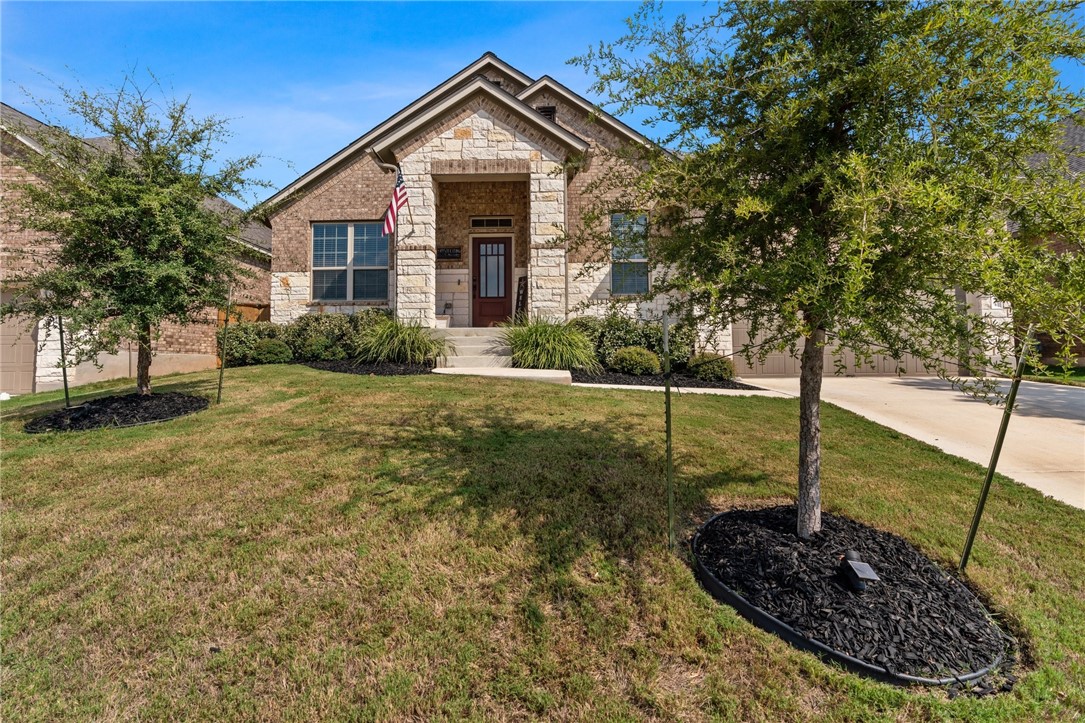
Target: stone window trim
343,258
629,268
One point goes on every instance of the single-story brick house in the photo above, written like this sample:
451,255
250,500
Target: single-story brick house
488,203
483,157
29,361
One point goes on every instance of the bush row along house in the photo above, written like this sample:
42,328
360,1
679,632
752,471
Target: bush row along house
30,356
497,166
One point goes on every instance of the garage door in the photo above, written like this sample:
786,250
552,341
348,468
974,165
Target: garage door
783,364
17,351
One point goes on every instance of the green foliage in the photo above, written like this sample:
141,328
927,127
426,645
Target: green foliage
140,233
838,170
242,338
330,337
589,326
900,150
394,341
711,367
543,344
634,360
271,351
619,330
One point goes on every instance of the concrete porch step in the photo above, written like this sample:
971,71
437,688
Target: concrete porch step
553,376
464,361
463,332
478,348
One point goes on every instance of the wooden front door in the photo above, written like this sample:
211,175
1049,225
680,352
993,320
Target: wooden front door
491,270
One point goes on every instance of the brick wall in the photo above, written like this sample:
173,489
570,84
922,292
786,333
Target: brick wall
255,290
458,202
18,247
359,190
580,197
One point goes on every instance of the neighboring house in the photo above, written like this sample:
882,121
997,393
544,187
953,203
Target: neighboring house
1073,142
29,360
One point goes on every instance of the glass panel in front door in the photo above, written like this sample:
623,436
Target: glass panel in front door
492,272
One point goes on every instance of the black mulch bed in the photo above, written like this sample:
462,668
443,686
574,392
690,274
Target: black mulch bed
125,411
656,380
917,621
380,370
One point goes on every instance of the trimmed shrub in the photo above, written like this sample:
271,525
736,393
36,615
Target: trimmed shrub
620,330
711,367
242,338
543,344
634,360
589,326
393,341
271,351
330,337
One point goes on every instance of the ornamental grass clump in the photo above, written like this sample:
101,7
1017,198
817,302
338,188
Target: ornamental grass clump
543,344
635,360
396,342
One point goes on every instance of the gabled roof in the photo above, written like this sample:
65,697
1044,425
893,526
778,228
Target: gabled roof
546,83
482,86
363,142
440,97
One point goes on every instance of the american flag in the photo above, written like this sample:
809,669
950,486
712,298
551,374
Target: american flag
399,200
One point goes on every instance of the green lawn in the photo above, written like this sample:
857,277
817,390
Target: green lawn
385,548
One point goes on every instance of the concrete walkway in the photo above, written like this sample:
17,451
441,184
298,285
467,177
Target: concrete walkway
1045,443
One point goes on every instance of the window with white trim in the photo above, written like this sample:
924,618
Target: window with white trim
350,262
628,257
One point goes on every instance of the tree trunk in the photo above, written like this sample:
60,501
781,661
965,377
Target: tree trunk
143,361
809,501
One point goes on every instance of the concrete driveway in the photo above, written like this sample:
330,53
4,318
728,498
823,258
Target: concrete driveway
1045,444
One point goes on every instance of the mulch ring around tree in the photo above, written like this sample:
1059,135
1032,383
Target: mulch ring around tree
125,411
387,369
678,381
918,624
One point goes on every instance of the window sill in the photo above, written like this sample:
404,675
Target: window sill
344,302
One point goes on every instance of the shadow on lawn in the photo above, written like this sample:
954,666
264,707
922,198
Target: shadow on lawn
572,486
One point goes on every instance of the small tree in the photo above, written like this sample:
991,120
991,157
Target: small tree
838,170
132,204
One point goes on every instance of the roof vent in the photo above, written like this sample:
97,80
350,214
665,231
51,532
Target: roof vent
548,111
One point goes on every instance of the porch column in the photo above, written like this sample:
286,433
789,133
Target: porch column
416,249
546,266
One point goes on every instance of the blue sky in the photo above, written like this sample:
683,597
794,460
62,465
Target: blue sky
299,80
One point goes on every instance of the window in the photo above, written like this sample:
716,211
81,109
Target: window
548,111
491,222
629,262
361,274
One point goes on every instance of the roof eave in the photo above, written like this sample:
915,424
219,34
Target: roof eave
418,106
548,83
481,86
